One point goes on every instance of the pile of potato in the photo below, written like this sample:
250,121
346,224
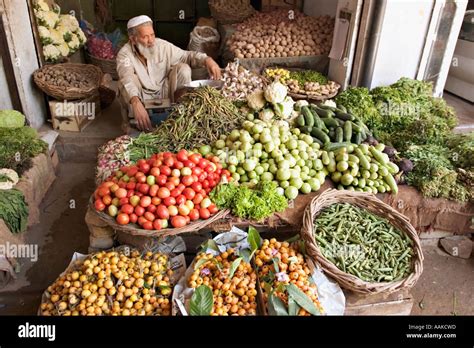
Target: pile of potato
62,78
313,88
112,283
232,296
282,33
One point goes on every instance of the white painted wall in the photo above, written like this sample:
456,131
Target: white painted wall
22,49
320,7
5,101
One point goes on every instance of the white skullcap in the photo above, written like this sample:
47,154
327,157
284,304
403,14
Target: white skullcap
136,21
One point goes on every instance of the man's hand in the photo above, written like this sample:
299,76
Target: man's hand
140,114
213,68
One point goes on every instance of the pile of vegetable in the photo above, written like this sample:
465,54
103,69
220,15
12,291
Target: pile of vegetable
18,145
13,209
166,189
257,203
270,103
363,244
101,47
60,34
112,283
240,82
66,79
328,124
227,282
285,280
200,119
271,151
225,9
8,179
282,33
112,156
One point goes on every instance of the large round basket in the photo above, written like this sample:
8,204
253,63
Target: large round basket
136,230
229,15
108,66
91,73
373,204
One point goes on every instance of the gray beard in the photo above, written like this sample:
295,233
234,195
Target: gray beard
149,53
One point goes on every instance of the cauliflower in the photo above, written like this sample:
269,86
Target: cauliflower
11,119
65,32
300,103
51,53
276,92
8,179
256,101
266,115
64,49
285,109
330,103
80,35
69,22
42,6
74,44
47,19
45,35
56,37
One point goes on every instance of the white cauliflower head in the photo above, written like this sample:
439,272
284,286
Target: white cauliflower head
276,92
256,101
69,21
64,49
45,35
47,19
285,109
74,43
51,53
56,37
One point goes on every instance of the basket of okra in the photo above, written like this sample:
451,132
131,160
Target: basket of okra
362,243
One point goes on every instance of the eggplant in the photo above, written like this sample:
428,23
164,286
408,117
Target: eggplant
390,151
405,165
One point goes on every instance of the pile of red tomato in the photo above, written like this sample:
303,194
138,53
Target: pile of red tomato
166,189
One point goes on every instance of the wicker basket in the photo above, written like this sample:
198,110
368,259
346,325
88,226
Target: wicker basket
135,230
230,16
371,203
108,66
90,72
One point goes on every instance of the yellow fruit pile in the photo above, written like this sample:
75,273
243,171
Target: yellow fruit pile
278,74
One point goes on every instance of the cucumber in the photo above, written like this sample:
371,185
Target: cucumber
327,107
325,158
339,135
306,129
344,116
364,162
316,140
300,120
379,156
332,134
391,183
342,108
318,133
335,146
330,122
308,116
392,168
355,128
322,112
318,123
357,138
348,131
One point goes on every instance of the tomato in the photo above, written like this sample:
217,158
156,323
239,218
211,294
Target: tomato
140,162
194,214
130,193
165,170
157,225
145,201
139,194
195,158
127,209
196,186
198,198
183,210
226,173
203,163
205,184
121,193
178,221
107,200
133,218
145,168
172,210
156,201
169,162
114,188
176,173
122,184
180,199
202,177
123,219
124,169
131,186
141,179
188,219
150,180
132,171
155,171
157,163
99,205
153,190
164,223
167,154
115,201
213,209
205,203
162,212
189,193
203,192
123,201
178,165
168,201
182,155
161,180
170,186
181,188
197,171
139,211
189,164
149,216
175,193
125,178
144,188
187,180
174,180
141,220
148,225
210,168
212,183
219,166
134,200
151,208
204,213
186,171
163,192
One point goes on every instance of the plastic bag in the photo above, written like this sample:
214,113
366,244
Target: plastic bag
205,39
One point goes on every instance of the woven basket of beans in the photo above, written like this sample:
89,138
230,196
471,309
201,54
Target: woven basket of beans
362,243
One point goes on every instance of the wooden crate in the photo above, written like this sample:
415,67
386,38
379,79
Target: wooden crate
397,303
76,115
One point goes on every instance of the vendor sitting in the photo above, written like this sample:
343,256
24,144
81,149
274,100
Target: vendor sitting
152,68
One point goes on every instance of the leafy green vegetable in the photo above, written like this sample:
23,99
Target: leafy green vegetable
202,301
11,119
303,76
13,210
258,203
